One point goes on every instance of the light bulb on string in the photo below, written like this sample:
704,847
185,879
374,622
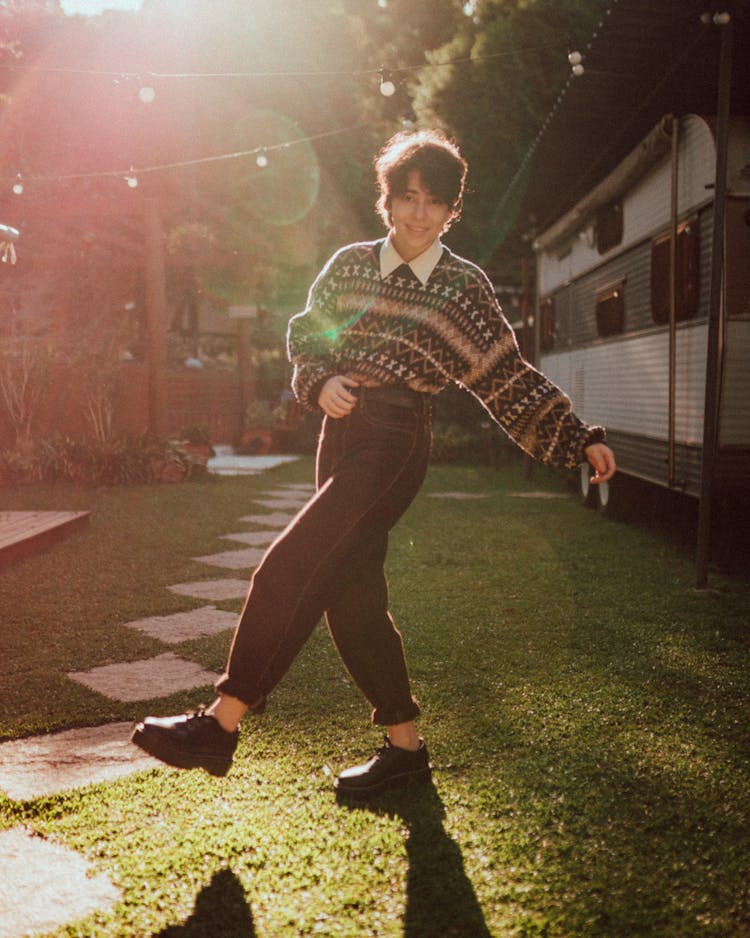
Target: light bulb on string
576,61
131,179
261,160
18,185
387,86
146,94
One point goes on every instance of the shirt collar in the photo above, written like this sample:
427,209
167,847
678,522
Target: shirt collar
421,266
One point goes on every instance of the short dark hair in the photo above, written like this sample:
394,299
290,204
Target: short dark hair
437,160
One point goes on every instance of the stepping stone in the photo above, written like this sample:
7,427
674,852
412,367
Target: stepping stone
229,465
45,765
537,495
45,885
208,620
257,538
459,496
246,559
145,680
290,491
215,590
282,501
276,519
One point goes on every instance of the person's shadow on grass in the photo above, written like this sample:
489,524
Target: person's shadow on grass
221,911
440,899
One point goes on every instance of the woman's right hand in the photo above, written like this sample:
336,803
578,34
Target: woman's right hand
335,398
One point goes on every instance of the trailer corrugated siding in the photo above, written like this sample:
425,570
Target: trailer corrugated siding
625,384
734,424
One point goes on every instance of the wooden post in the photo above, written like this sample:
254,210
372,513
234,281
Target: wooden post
156,318
244,372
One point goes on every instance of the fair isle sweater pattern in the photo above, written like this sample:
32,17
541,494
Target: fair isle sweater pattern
397,331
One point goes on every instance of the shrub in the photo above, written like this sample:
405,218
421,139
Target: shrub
123,461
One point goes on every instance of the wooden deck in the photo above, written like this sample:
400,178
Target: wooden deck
23,533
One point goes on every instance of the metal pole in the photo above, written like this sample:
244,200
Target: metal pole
716,307
673,302
525,345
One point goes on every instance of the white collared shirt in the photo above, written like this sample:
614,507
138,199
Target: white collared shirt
422,266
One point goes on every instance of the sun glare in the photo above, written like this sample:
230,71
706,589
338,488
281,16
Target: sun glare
94,7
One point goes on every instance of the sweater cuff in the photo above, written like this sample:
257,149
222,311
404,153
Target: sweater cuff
307,385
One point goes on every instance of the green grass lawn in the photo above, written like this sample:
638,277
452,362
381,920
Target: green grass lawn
586,712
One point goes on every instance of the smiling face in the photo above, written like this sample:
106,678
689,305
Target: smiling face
417,218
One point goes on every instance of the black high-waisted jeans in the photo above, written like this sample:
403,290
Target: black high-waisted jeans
329,560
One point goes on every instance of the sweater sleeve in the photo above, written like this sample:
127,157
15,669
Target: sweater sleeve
529,407
311,341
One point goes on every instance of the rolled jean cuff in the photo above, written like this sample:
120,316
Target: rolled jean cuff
255,703
385,716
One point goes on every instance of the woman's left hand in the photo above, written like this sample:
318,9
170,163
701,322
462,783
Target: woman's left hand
602,460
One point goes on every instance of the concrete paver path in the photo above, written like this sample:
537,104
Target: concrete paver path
45,885
276,519
246,559
145,680
180,626
45,765
215,590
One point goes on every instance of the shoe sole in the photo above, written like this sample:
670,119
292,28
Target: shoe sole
396,781
160,748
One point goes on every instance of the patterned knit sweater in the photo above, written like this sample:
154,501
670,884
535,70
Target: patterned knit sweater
398,332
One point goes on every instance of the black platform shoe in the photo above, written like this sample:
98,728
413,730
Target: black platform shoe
192,740
389,767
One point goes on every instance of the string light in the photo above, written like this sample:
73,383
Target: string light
131,175
526,160
575,58
387,86
120,76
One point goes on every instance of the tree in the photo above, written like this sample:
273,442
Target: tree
512,62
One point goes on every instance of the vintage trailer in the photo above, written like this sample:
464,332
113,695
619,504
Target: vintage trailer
623,294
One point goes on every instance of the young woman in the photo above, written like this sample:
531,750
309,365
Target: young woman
388,324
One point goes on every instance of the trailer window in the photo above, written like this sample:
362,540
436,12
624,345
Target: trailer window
687,264
609,227
547,324
610,311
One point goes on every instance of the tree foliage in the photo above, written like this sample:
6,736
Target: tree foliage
512,64
264,74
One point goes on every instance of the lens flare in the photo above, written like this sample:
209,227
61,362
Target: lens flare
287,188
